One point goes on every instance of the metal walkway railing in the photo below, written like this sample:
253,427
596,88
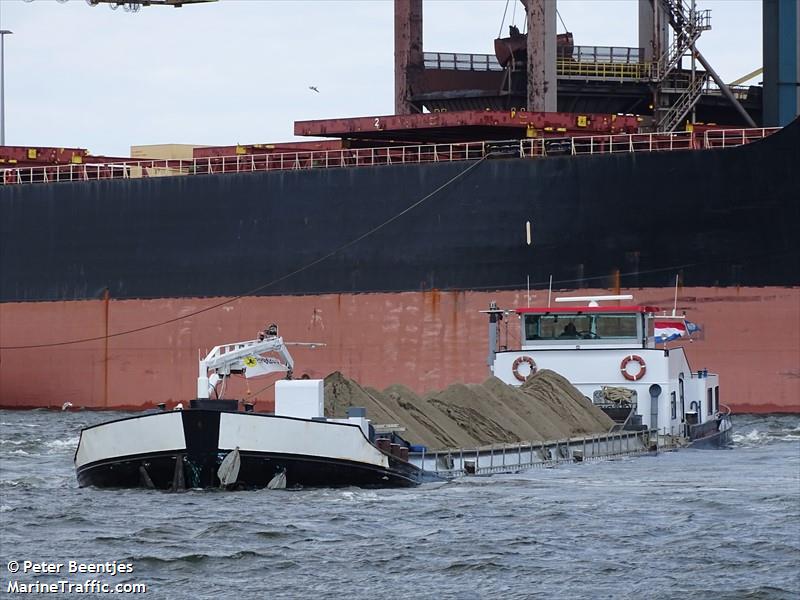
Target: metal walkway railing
569,68
516,457
602,62
395,155
453,61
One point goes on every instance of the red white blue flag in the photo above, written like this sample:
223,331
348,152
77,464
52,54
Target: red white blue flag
669,329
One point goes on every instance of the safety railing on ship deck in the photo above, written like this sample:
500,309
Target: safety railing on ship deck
394,155
724,138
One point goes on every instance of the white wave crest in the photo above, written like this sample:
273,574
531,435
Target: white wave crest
757,437
71,442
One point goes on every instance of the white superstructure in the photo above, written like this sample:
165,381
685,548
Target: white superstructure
616,356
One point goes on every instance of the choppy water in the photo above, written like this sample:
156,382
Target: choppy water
705,524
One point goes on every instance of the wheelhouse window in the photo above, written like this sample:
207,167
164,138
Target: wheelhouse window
616,326
673,406
565,326
710,402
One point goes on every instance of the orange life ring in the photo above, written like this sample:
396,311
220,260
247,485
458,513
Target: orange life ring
624,370
9,176
518,362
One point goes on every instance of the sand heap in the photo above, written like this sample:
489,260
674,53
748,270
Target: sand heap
546,407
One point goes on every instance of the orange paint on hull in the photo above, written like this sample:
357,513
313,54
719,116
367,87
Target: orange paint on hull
425,340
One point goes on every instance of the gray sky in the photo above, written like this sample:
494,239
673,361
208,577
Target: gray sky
238,71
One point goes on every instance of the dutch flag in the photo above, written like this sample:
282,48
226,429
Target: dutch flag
668,330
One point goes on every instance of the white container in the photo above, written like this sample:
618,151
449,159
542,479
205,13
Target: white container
301,398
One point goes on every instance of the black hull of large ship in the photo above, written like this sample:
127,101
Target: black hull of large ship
724,217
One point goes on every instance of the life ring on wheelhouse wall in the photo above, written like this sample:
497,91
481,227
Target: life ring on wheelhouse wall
518,362
623,367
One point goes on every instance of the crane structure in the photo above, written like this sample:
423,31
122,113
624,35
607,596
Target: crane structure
249,358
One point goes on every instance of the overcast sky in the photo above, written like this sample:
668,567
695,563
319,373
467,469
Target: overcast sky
238,71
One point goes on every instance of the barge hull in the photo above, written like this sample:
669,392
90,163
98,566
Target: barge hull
184,449
257,469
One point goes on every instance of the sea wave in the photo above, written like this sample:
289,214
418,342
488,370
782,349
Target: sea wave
752,430
762,438
18,453
71,442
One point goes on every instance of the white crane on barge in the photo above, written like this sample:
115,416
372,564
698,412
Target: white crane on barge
250,358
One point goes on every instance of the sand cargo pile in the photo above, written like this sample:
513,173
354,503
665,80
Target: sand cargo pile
546,407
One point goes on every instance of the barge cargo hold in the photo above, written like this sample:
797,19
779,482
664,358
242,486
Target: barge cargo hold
148,270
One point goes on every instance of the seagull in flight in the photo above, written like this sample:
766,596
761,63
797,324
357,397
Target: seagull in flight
313,87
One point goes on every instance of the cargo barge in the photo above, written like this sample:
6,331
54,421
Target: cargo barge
386,243
213,441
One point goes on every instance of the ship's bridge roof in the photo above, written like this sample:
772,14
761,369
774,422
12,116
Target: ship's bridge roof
571,310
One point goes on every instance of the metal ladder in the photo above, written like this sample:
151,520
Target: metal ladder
671,118
688,25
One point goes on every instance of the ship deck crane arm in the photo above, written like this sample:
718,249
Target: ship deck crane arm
238,357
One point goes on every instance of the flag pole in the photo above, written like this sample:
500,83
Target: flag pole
675,304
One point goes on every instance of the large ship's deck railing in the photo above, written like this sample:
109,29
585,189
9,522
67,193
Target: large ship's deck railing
393,155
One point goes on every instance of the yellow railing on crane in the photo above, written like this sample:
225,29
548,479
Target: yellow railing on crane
567,67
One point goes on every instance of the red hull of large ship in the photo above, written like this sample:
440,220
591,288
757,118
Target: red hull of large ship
425,340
